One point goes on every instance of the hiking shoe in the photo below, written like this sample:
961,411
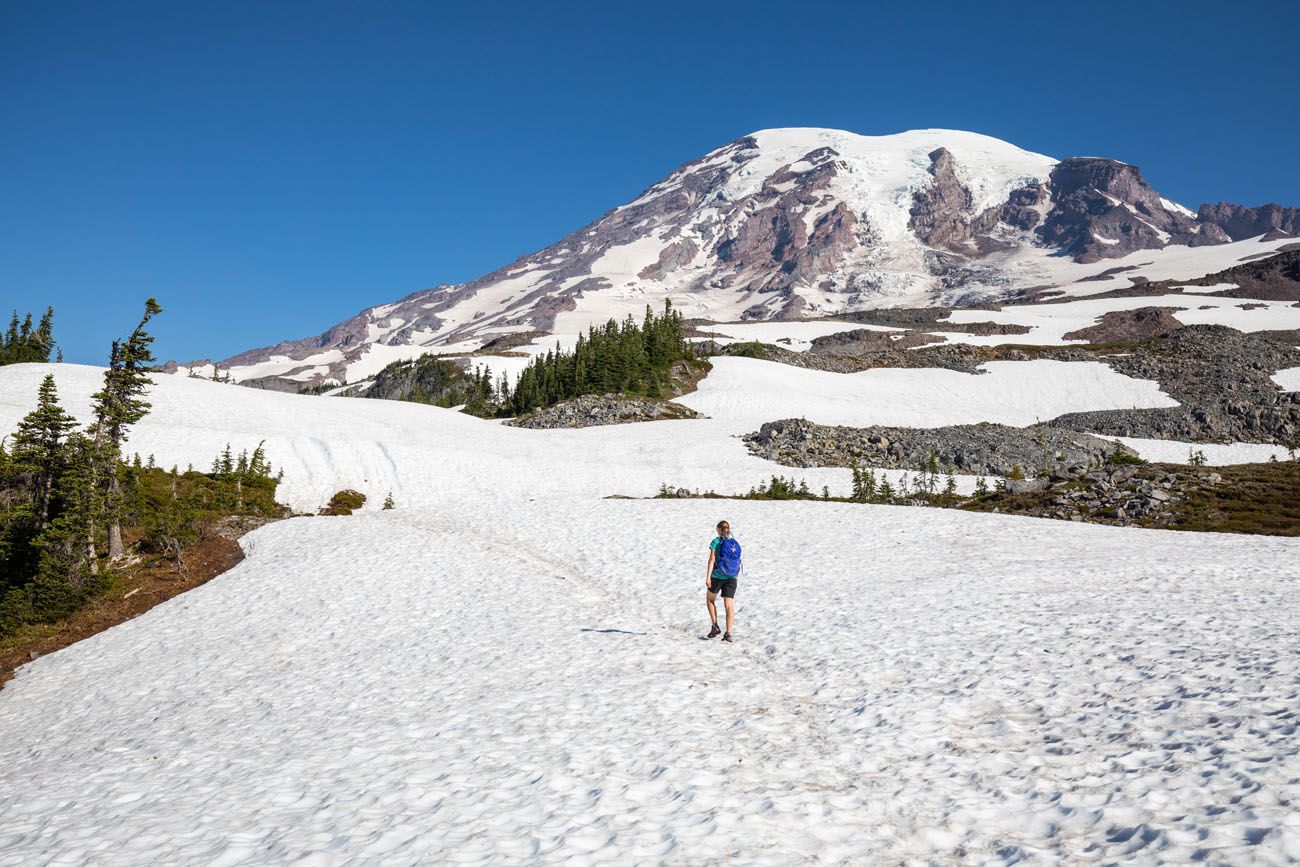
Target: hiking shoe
714,631
726,636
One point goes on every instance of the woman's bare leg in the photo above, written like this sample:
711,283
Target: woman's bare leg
730,605
709,601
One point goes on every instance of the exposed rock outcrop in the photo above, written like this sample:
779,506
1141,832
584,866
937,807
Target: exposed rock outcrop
1136,324
981,449
595,410
1239,221
1104,209
1276,278
1221,378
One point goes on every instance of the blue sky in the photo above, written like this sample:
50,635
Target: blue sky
269,168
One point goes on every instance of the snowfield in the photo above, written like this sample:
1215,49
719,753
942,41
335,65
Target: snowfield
1288,379
1010,392
1216,454
508,668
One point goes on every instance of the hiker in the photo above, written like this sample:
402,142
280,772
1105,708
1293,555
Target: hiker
724,566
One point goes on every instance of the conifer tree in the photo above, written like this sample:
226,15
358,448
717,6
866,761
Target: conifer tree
117,406
44,339
38,449
23,343
67,544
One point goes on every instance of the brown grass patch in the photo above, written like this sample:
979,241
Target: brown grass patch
133,591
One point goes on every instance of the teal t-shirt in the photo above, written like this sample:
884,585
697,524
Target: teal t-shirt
719,576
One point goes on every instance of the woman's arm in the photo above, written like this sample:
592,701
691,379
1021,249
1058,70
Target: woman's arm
708,574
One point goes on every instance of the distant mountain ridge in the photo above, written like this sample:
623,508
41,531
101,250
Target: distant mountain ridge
787,223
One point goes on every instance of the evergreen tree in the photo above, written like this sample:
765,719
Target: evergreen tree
627,357
23,343
931,473
9,346
38,449
44,339
117,406
67,545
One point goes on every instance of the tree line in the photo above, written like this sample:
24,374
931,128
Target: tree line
67,492
627,357
624,358
23,342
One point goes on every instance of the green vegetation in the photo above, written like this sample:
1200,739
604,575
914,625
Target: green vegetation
436,381
630,358
1249,498
626,359
344,503
22,342
1116,459
921,489
67,494
747,349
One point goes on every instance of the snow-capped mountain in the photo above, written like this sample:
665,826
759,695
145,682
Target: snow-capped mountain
788,223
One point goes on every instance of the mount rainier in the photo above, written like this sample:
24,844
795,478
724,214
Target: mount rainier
795,223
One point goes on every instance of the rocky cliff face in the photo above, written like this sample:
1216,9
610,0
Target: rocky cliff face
1239,222
789,223
1103,209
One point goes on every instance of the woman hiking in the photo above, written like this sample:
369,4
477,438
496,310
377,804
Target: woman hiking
724,567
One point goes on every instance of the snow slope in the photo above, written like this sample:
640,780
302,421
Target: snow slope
325,444
1216,454
508,668
1010,392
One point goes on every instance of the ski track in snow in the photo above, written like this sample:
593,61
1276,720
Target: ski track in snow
509,668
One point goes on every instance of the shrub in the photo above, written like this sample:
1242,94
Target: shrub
344,503
748,349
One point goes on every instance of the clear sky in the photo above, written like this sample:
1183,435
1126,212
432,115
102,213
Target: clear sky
269,168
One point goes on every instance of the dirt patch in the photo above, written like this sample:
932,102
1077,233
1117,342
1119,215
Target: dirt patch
134,591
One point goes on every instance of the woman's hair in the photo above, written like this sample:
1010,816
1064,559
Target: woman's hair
723,528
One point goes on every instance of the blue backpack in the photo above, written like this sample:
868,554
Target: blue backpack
727,557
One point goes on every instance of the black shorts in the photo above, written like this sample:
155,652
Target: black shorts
725,586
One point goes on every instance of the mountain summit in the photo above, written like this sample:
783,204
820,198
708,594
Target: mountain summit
786,223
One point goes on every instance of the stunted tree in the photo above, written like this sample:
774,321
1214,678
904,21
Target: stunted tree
117,406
